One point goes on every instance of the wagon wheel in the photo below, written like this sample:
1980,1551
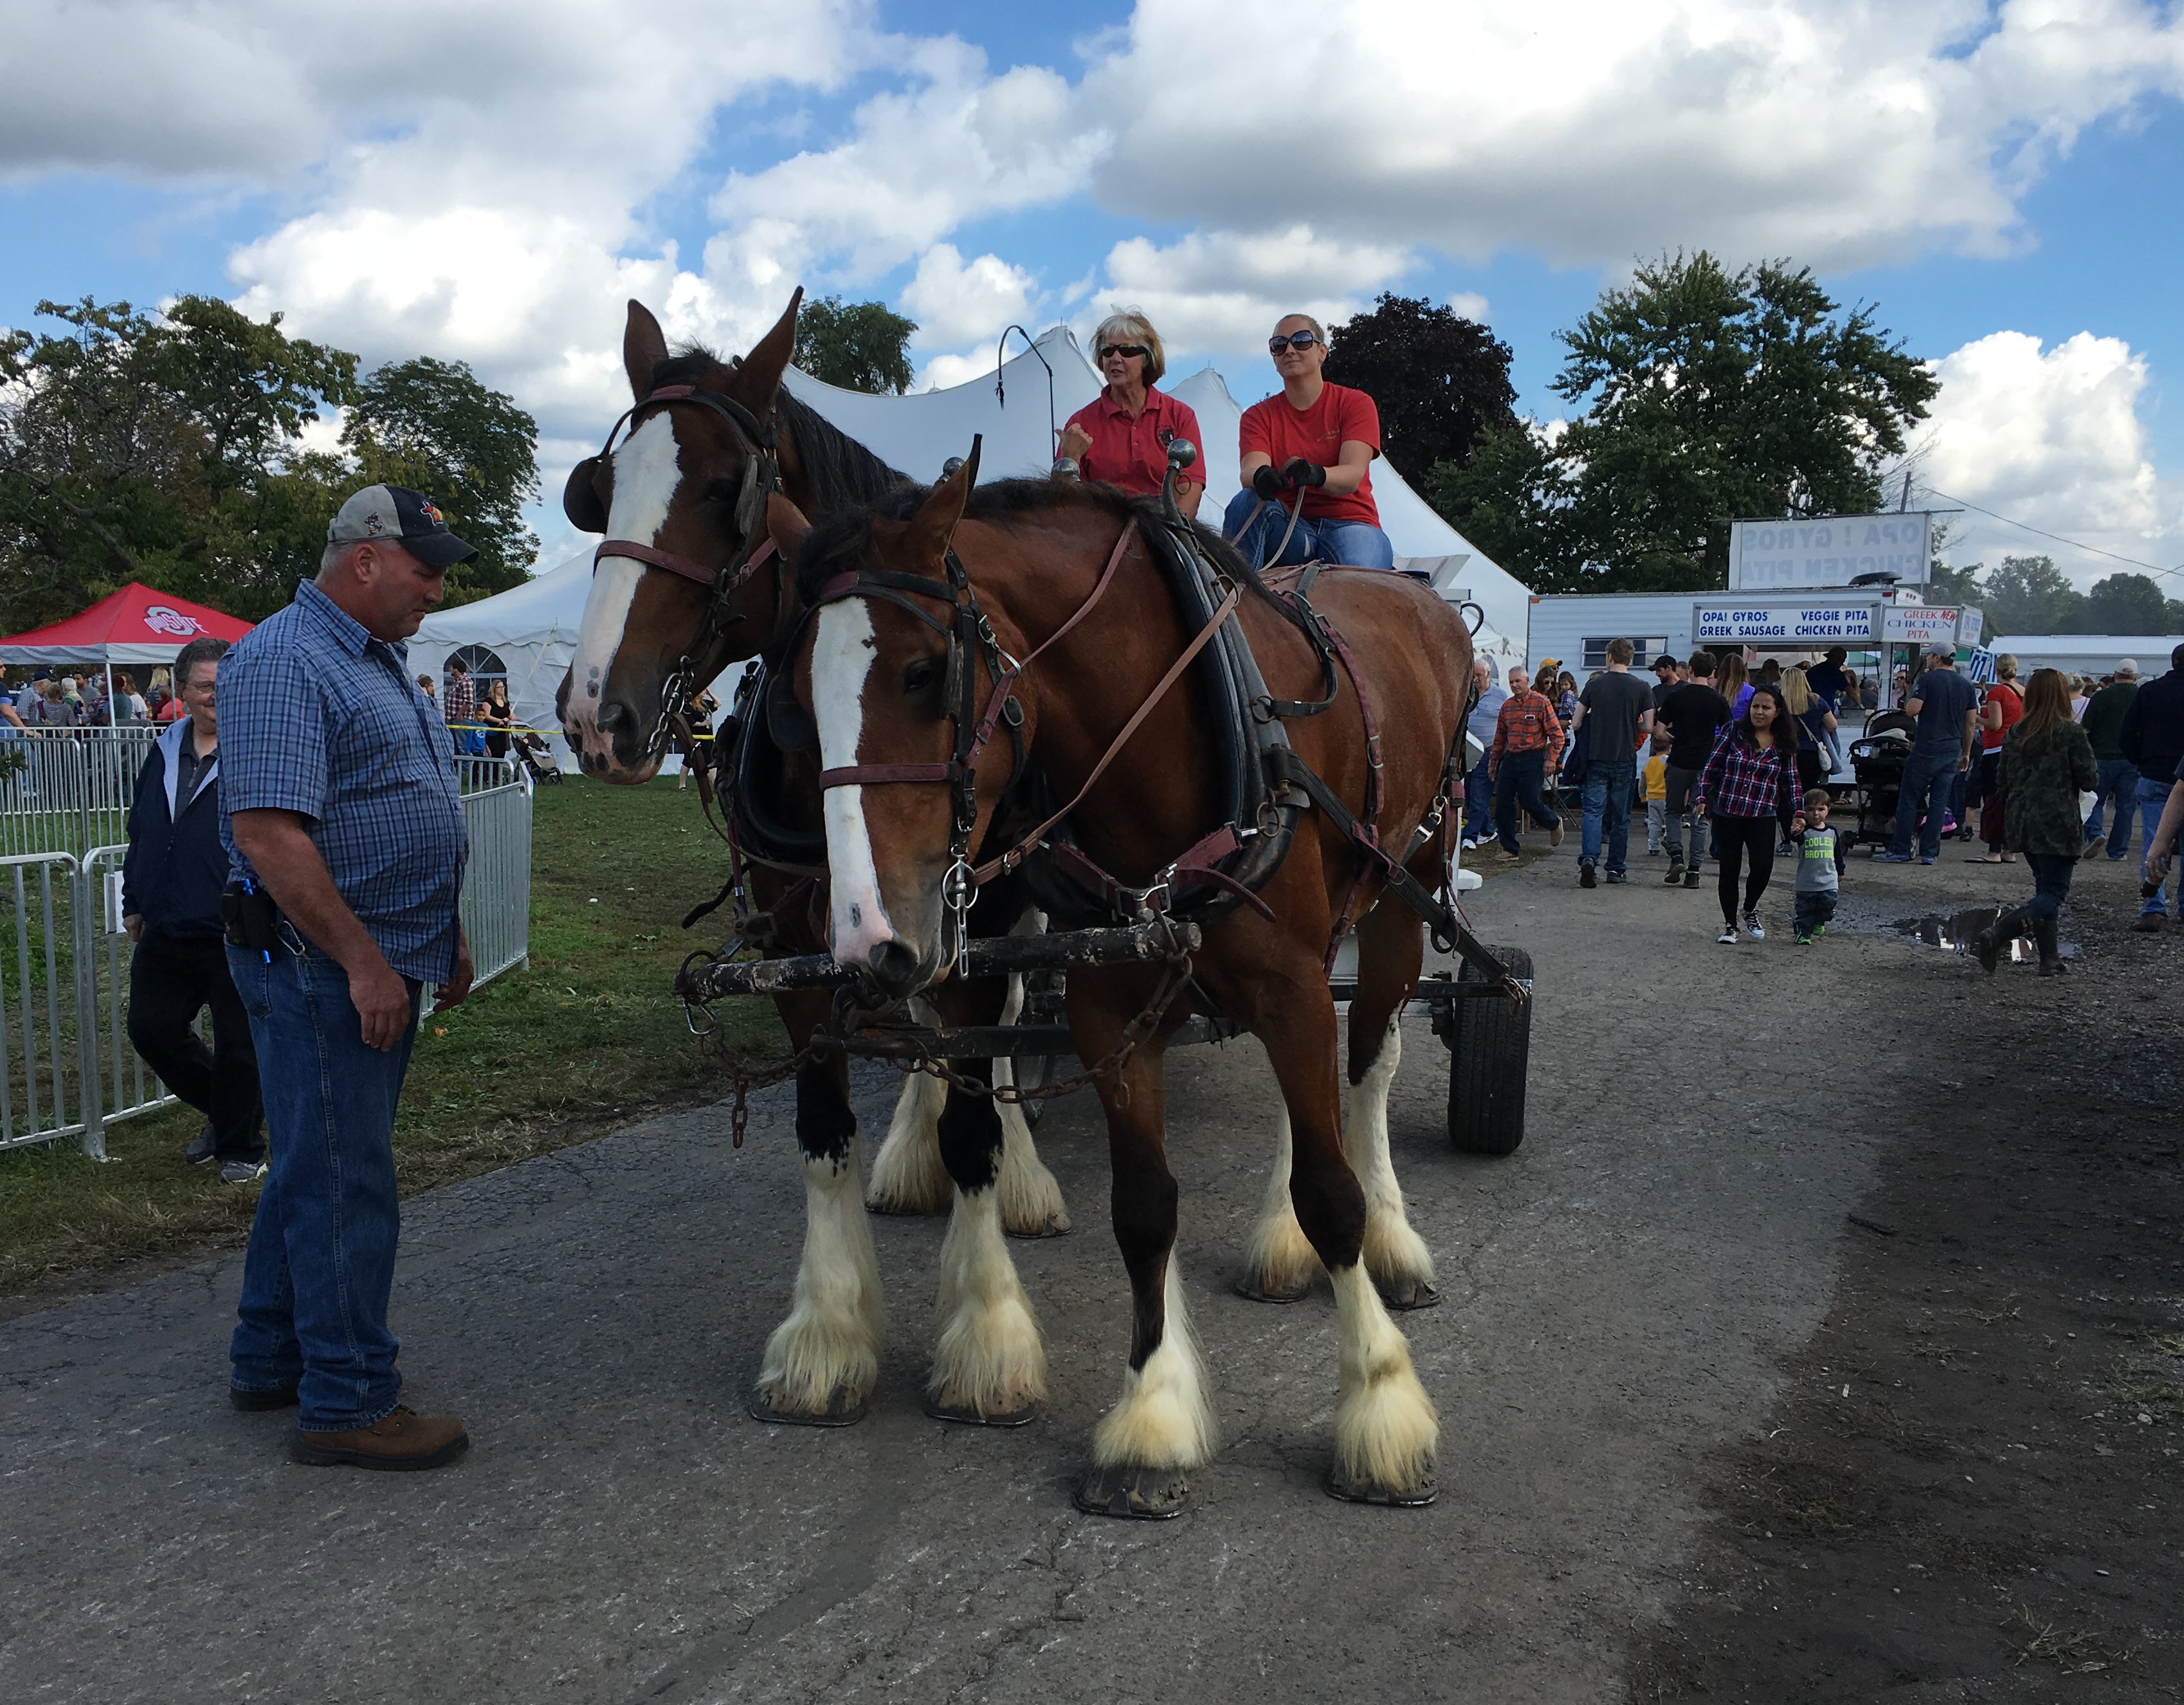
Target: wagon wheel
1490,1046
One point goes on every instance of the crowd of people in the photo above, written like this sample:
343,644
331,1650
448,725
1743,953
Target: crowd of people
47,700
1729,762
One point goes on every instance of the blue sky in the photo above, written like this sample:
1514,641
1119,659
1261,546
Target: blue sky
2001,180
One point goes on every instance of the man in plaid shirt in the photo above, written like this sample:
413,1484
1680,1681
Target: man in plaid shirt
1528,738
346,838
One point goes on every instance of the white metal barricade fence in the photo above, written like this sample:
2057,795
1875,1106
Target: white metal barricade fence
66,1066
66,790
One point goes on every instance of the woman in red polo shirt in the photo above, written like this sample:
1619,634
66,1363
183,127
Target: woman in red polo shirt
1315,439
1122,436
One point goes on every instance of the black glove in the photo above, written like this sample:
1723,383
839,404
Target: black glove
1266,481
1300,473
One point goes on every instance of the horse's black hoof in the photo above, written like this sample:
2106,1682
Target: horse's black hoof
1249,1288
842,1410
1144,1495
1401,1295
1340,1484
1047,1229
969,1415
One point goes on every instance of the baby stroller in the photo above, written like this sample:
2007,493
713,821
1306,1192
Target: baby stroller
1877,759
538,759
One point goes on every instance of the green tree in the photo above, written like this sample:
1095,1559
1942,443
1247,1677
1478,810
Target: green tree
432,424
859,346
141,447
2127,604
1705,395
1438,379
2029,594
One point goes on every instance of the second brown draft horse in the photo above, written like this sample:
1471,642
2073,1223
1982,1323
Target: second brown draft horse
1053,561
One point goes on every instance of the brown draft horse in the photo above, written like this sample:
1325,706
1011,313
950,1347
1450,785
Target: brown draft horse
674,489
871,670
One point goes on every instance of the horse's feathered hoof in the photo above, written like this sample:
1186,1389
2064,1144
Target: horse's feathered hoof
969,1415
1249,1288
842,1410
1400,1295
1370,1492
1050,1227
1144,1495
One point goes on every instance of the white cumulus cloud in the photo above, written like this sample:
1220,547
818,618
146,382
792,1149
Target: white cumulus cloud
955,302
2053,438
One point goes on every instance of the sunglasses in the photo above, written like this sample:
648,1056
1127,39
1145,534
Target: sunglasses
1295,340
1136,349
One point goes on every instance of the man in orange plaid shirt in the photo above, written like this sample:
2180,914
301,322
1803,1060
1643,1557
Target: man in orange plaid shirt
1527,749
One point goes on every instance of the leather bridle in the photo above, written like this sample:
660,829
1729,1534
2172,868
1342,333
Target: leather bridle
754,547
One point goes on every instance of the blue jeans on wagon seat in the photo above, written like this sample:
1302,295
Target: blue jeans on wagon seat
1608,783
1354,543
321,1265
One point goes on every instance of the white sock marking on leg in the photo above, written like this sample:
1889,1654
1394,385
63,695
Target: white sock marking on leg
831,1338
1386,1430
1163,1419
1393,1250
990,1356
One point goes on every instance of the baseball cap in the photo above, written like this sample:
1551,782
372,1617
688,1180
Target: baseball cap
408,518
1664,661
2127,665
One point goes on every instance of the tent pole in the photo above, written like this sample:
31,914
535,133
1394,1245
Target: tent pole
110,692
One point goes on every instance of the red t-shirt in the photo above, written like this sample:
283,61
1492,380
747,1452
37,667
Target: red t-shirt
1277,430
2013,708
1133,454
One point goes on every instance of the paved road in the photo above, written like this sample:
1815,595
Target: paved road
1619,1292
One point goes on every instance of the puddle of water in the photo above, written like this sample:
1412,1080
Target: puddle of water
1954,933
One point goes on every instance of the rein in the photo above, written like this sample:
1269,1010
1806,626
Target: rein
753,547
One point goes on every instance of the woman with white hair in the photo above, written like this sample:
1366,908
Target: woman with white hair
1121,438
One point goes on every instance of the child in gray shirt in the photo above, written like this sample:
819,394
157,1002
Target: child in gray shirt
1820,866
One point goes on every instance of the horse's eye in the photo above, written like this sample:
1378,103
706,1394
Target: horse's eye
722,492
918,676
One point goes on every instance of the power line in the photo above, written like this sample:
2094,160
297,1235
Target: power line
2074,545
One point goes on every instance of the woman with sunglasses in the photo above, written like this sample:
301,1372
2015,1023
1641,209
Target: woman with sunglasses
1122,435
1317,440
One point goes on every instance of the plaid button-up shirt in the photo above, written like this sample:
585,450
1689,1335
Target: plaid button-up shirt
462,697
1528,723
1742,780
317,717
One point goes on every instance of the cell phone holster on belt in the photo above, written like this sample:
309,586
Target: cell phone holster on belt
250,917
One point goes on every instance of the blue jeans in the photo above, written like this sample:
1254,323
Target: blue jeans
1607,786
2051,884
2152,797
2119,781
321,1264
1356,544
1928,777
1517,782
1478,804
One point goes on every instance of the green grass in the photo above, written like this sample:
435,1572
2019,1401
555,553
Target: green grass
589,1037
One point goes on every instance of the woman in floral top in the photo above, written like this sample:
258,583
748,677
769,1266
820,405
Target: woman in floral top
2047,762
1750,790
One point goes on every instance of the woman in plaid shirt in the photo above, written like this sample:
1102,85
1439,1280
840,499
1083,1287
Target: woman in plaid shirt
1750,789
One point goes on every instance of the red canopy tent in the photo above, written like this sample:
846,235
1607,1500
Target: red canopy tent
135,625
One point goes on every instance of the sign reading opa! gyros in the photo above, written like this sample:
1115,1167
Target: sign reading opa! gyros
1757,624
1770,556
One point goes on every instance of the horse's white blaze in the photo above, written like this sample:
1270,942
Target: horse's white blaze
646,472
1279,1259
830,1342
1393,1250
1386,1430
842,652
990,1356
1163,1420
908,1174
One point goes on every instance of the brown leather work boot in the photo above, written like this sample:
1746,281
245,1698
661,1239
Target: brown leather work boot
402,1440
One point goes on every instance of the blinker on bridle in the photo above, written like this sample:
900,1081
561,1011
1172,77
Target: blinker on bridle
761,478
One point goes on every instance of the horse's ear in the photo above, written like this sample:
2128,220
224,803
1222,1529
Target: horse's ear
785,526
643,347
758,376
932,528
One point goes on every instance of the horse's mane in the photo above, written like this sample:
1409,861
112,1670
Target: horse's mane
837,544
842,471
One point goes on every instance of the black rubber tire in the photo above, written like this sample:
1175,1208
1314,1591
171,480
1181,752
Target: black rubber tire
1489,1051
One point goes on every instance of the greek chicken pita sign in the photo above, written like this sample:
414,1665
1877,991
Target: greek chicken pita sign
1785,555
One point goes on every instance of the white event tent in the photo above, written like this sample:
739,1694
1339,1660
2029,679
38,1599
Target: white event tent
532,628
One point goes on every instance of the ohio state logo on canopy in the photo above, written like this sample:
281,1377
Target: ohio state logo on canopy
161,619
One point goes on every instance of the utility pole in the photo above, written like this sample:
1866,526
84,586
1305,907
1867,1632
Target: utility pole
1903,503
